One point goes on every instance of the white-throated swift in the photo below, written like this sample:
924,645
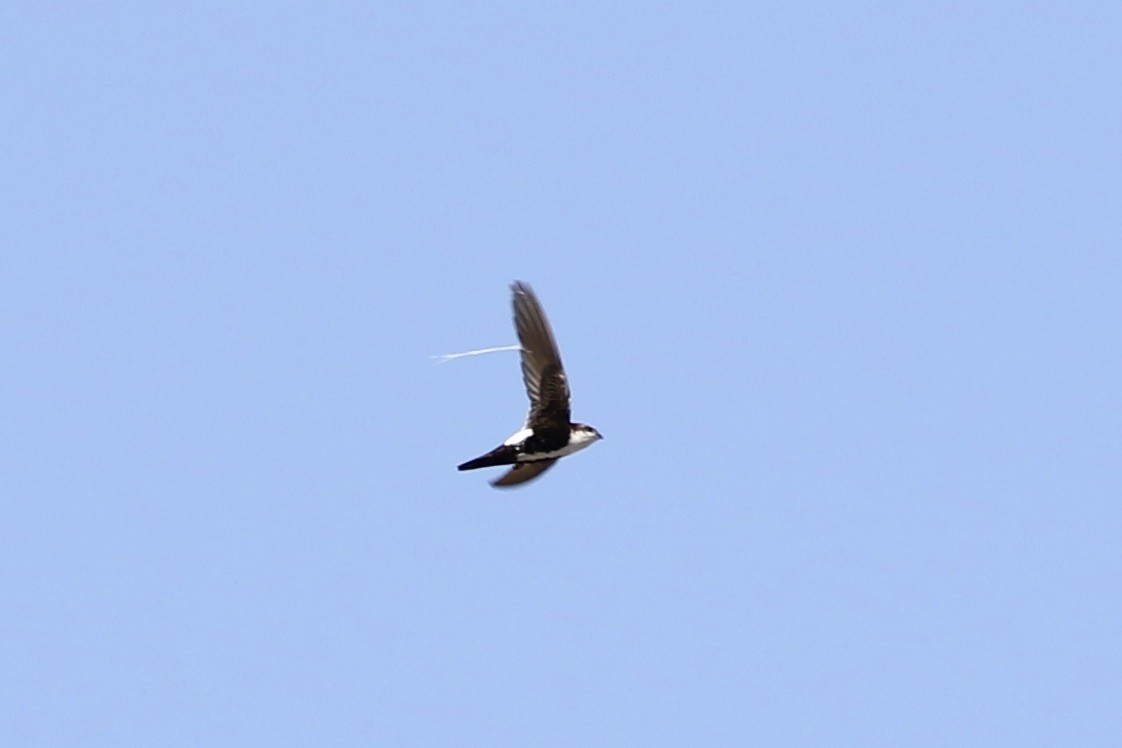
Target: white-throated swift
548,434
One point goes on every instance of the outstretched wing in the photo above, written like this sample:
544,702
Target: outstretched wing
542,371
522,472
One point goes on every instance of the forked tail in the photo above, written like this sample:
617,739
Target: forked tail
504,455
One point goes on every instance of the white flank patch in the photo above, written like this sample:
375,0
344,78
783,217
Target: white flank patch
517,437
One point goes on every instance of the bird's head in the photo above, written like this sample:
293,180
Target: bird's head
587,432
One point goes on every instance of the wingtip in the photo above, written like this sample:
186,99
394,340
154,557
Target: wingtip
522,473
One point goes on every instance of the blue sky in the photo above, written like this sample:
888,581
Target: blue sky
839,284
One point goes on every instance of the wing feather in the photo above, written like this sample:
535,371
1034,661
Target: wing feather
522,472
542,370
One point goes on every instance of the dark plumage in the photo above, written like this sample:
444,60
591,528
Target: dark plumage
548,433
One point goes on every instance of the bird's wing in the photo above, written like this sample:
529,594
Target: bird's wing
542,371
523,472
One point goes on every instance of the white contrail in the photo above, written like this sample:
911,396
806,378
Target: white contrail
449,356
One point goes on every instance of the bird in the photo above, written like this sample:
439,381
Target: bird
548,434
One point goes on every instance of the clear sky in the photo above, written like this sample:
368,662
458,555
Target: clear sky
841,285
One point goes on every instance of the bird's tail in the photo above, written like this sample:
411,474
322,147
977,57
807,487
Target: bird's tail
504,455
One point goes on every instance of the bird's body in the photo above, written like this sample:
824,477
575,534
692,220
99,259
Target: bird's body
548,434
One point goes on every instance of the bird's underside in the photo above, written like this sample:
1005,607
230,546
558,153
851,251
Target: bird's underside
522,471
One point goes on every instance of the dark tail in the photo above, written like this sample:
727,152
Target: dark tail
503,455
